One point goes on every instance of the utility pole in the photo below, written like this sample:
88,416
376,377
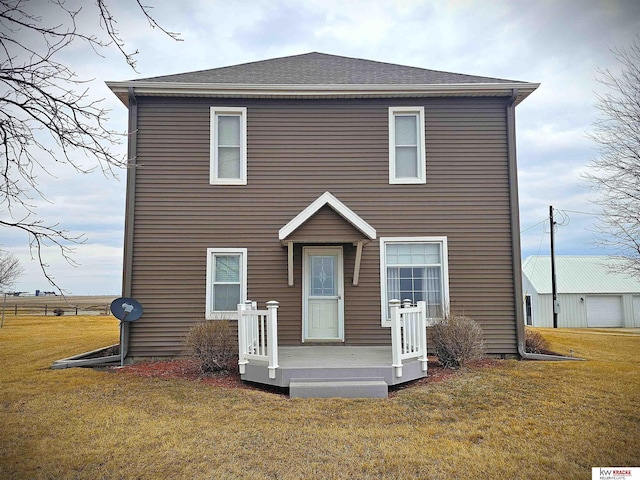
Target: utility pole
554,289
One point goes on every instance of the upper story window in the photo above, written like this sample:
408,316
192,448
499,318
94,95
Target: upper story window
228,146
407,159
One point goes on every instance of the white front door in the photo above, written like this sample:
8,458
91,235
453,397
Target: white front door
322,294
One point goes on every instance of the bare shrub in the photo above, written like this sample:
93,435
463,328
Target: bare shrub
213,345
535,342
458,341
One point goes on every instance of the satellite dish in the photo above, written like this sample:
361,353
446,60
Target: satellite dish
126,309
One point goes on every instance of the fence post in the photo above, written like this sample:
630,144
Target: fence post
45,310
4,306
76,311
422,322
242,341
272,340
396,337
16,309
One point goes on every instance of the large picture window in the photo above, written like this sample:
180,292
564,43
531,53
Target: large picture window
407,159
414,268
226,282
228,146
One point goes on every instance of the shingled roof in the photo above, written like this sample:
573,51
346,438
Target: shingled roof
319,68
319,75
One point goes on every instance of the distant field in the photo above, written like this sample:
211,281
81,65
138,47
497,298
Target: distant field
45,305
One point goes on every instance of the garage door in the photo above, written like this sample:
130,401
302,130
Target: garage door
636,311
604,311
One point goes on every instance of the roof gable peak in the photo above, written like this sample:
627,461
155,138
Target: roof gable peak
340,208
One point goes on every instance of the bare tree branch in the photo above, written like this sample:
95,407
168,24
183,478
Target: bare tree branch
10,270
47,116
615,173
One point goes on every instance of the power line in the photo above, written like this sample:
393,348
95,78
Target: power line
581,213
533,226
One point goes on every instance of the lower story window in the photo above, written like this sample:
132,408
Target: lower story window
414,268
226,282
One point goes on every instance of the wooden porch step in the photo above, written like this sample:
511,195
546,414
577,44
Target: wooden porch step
338,387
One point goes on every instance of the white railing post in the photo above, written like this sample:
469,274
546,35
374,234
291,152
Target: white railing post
272,340
250,329
242,339
407,326
422,325
396,337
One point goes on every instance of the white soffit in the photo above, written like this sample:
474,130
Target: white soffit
327,199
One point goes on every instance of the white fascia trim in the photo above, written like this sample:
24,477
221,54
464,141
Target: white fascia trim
277,90
327,199
383,270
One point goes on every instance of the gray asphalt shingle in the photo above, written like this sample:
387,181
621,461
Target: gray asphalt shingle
322,69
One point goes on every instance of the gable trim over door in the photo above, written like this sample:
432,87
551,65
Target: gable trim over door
323,294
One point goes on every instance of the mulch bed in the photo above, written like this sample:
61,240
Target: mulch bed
185,369
188,369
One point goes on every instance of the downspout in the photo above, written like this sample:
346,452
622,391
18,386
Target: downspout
515,236
129,214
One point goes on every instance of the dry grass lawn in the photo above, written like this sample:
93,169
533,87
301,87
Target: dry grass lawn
521,420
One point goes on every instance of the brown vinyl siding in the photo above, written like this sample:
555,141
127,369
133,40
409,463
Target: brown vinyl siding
298,149
326,226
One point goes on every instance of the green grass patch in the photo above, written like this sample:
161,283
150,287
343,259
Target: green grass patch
520,420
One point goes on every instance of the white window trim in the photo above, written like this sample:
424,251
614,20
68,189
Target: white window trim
422,158
442,241
213,164
211,314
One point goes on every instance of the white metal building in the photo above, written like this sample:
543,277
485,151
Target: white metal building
589,293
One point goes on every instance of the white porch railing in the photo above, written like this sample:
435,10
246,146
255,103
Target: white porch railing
258,335
408,333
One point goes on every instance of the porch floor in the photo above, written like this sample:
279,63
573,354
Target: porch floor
336,363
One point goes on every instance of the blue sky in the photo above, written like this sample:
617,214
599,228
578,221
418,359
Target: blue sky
559,44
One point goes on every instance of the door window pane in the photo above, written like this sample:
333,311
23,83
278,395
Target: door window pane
323,276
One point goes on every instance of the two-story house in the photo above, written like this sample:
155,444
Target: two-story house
332,185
